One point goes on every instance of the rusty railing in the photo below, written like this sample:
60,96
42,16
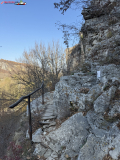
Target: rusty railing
29,111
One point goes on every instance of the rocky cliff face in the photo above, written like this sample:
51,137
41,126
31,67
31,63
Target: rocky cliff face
101,35
101,32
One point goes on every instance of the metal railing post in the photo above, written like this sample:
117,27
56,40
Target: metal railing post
30,126
43,93
29,110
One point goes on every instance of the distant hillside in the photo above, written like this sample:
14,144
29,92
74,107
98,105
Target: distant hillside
7,67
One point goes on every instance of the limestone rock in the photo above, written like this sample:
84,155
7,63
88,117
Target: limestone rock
36,137
39,150
103,101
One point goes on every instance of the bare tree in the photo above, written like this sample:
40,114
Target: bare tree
55,61
41,64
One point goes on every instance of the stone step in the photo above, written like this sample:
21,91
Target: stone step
51,106
47,114
49,117
45,126
49,111
51,124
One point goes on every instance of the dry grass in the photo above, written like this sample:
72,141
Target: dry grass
27,149
108,157
9,124
8,127
117,95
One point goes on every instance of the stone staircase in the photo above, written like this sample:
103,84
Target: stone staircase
48,114
48,119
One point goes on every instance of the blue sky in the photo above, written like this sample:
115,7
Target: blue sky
23,25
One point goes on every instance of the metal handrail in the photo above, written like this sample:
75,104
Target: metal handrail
28,96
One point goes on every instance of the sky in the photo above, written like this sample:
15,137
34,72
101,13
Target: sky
23,25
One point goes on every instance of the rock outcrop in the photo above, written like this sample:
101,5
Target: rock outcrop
101,32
